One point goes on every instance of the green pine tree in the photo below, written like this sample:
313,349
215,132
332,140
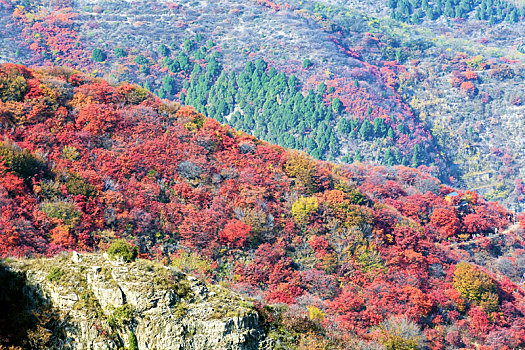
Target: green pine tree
98,55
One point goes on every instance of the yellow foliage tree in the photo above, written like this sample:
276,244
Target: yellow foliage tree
315,314
303,168
476,286
303,208
12,86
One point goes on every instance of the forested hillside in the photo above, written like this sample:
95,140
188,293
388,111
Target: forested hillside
357,256
407,82
490,10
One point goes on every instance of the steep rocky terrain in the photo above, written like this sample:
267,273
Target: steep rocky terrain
96,304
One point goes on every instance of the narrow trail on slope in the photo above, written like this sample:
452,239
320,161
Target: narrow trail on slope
511,228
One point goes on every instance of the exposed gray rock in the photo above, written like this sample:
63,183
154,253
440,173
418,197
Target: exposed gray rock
101,304
189,170
247,147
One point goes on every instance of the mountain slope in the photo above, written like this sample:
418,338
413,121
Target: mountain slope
439,82
235,33
353,250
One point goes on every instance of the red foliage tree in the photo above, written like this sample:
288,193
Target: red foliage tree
446,221
235,233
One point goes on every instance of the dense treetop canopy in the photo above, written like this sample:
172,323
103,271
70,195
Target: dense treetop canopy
351,249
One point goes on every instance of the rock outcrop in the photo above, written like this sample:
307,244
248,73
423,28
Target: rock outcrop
103,305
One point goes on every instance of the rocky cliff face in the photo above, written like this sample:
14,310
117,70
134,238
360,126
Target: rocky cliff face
105,305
